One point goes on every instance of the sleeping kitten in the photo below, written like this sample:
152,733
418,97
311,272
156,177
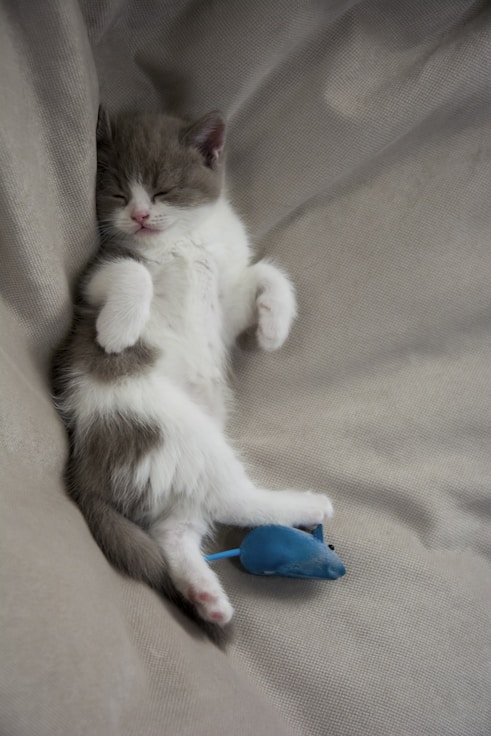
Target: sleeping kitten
145,372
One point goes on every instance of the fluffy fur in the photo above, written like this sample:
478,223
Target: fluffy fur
145,371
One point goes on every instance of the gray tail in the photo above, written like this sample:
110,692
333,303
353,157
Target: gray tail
134,553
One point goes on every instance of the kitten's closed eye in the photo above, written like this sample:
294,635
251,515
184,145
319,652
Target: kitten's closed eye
120,198
161,195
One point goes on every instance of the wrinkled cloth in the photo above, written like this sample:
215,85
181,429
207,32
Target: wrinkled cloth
359,152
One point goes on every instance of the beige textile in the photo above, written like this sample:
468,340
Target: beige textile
359,152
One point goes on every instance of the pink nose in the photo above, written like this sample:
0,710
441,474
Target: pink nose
139,216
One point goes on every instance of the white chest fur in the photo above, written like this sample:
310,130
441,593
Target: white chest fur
186,323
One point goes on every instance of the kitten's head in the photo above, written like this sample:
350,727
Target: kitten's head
157,173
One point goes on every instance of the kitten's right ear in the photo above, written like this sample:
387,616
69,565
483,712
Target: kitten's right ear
208,136
104,131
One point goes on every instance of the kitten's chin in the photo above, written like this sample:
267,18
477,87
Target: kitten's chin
147,232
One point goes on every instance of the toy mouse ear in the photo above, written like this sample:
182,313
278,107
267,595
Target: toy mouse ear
208,136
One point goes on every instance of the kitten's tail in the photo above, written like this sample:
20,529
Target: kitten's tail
127,546
133,552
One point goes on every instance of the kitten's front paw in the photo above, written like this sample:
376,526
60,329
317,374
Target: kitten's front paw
115,334
274,322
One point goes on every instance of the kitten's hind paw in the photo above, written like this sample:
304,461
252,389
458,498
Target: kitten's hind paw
316,509
211,606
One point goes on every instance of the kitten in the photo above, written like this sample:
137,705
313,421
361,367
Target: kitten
145,371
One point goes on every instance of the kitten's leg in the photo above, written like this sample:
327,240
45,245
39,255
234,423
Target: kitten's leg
263,296
229,494
247,505
198,474
124,289
200,466
191,574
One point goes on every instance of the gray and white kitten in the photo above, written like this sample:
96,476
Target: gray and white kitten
145,372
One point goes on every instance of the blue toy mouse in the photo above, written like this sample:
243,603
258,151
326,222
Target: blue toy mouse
287,552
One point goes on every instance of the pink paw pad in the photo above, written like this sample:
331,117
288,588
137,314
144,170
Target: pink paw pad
199,596
217,616
204,597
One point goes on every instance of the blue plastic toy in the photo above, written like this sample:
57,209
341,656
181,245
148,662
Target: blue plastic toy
291,553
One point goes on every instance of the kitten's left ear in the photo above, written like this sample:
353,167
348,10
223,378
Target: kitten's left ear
104,133
208,136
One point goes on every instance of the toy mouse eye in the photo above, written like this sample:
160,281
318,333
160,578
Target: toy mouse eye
331,546
120,198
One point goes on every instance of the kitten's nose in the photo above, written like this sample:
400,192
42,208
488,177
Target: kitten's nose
139,216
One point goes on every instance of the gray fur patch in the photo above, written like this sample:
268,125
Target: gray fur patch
105,459
86,356
100,478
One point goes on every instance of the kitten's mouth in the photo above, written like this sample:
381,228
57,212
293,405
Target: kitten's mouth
147,230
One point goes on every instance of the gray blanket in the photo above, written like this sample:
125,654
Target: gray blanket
359,151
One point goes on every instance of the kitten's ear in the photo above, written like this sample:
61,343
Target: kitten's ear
208,136
104,132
